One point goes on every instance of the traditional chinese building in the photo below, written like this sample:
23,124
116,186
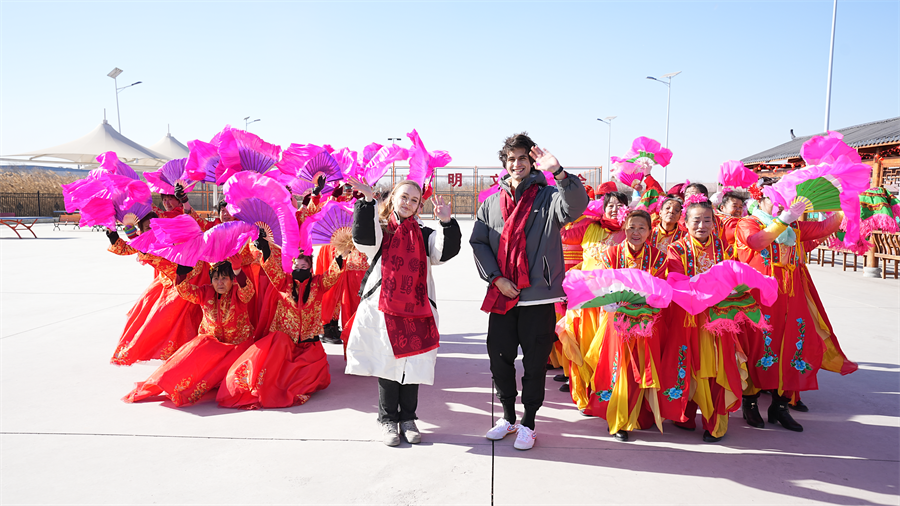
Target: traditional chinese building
878,144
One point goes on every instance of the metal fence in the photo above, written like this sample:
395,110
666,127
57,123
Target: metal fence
32,204
459,186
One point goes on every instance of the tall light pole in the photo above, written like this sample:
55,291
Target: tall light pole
668,103
608,121
830,62
114,73
248,123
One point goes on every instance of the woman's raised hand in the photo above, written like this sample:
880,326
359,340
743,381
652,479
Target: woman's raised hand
362,187
441,210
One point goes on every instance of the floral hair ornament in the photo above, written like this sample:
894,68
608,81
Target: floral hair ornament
637,162
693,199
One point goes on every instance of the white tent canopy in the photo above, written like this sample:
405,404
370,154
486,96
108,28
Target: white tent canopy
85,150
169,147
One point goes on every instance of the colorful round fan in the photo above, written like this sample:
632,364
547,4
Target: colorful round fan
170,174
333,218
601,287
639,160
128,211
256,198
94,195
721,281
244,151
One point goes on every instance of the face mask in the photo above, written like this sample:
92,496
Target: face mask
301,275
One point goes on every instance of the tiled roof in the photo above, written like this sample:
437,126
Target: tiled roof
859,136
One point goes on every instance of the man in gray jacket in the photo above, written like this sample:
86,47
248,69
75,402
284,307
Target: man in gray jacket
518,250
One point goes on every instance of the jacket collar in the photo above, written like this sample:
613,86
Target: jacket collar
534,177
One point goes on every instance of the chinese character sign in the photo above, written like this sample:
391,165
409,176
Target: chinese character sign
455,179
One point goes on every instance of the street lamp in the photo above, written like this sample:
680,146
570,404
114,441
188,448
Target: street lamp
248,123
114,73
393,169
608,121
668,103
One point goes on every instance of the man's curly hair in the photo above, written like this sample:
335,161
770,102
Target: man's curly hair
516,141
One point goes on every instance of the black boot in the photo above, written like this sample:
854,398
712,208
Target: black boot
564,388
803,408
331,333
709,438
778,412
621,436
750,410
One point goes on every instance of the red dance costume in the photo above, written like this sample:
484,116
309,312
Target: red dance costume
699,367
284,367
802,339
200,365
160,322
626,377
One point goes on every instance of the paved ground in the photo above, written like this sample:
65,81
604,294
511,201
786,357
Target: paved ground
66,438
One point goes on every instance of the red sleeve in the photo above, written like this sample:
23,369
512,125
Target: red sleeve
815,230
673,260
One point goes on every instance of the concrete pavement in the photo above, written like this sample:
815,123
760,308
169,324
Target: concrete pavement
65,437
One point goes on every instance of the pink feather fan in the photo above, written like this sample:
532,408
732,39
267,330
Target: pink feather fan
244,151
835,182
592,288
703,291
733,174
170,174
423,162
320,228
113,188
203,161
263,201
639,160
180,240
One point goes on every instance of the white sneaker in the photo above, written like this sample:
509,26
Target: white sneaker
501,429
411,431
524,438
389,433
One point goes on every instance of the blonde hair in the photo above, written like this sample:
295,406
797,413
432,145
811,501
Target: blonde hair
387,207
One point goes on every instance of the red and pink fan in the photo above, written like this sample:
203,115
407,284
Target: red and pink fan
733,174
171,173
244,152
181,240
262,201
331,225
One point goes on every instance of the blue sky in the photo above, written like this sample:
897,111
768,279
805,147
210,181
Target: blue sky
465,74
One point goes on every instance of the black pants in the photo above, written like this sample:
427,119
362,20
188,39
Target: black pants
391,396
532,328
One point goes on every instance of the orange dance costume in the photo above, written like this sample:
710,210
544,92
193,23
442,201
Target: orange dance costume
626,377
802,339
287,365
699,368
200,365
160,322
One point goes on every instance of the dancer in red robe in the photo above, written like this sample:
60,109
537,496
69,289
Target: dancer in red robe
225,333
160,321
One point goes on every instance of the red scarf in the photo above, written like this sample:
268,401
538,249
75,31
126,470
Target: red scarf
511,254
610,224
404,290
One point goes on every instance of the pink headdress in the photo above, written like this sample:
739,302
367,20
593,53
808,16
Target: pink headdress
261,200
637,163
181,240
697,197
244,151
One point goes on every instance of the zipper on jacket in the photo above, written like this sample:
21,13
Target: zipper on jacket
546,272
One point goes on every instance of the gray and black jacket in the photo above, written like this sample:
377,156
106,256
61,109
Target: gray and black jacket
554,206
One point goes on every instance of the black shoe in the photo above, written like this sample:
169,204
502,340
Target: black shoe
690,425
564,388
560,378
621,436
778,412
750,411
583,413
707,437
803,408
